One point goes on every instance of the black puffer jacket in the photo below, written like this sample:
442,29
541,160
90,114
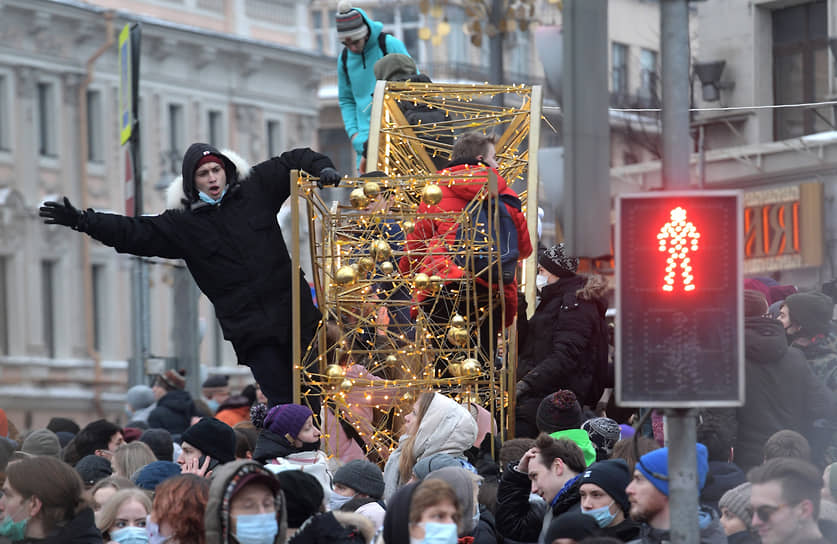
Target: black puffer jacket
270,445
781,391
174,412
79,530
234,250
567,343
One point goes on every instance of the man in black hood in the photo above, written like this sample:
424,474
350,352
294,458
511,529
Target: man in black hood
225,228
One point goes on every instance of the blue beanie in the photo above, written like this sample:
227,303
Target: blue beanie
152,474
657,461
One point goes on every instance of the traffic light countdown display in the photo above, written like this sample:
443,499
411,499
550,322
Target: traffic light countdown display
679,311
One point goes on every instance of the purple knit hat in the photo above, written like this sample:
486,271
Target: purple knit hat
287,419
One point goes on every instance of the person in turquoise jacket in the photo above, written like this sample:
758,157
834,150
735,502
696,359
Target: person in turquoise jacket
364,43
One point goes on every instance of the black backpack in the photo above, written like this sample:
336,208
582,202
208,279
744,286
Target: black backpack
382,43
505,245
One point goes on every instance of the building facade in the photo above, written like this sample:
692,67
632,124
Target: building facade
59,136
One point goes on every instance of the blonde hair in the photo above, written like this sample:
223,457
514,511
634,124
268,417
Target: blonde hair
408,460
129,458
107,515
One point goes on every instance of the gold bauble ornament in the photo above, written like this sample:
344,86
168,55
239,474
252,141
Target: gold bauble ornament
436,282
346,385
391,360
371,189
455,369
470,367
431,194
408,397
457,336
334,371
366,264
421,280
358,198
408,226
380,250
387,268
457,321
346,275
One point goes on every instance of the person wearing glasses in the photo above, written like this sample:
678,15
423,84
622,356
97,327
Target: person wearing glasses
785,499
364,43
649,498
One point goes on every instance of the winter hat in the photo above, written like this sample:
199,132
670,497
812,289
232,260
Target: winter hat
216,381
755,305
303,495
7,449
752,284
258,412
613,476
556,261
426,465
93,468
131,434
811,310
780,292
175,380
152,474
210,158
41,442
63,424
64,437
363,476
160,442
213,438
627,430
350,23
657,462
395,67
139,397
737,501
571,525
604,433
558,411
287,419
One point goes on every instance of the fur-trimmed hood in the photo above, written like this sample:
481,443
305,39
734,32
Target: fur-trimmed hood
178,196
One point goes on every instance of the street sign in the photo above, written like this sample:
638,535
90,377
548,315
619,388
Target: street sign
130,189
679,310
129,39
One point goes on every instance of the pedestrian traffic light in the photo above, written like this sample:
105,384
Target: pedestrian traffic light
679,311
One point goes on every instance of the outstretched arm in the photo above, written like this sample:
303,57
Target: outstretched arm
144,236
275,173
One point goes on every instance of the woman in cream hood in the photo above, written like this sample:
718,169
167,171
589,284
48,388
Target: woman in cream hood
436,424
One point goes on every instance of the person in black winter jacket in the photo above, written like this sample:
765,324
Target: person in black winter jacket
781,390
174,407
226,230
566,346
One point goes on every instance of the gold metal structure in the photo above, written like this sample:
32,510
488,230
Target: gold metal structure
390,331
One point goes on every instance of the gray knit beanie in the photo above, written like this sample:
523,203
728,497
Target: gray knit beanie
139,397
737,501
363,476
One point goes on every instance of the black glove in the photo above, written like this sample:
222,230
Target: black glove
56,213
328,176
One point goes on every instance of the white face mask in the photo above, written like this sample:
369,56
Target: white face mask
541,281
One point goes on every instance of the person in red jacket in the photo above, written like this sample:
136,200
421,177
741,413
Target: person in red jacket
429,245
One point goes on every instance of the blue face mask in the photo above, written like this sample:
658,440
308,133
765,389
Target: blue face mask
439,533
208,199
256,528
602,515
13,530
336,500
130,535
153,530
213,405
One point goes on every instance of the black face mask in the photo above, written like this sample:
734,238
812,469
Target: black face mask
310,446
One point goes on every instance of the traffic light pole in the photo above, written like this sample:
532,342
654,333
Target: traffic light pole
681,431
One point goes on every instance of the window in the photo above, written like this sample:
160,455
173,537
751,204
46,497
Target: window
319,31
800,68
619,68
274,139
648,74
4,306
97,278
215,125
47,146
48,305
94,126
5,114
176,129
403,22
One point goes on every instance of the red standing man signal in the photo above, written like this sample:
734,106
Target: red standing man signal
678,237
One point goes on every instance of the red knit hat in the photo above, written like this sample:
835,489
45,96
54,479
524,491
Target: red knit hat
210,158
